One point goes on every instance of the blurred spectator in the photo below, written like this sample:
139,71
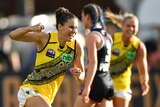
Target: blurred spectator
155,56
151,46
11,53
5,64
153,49
155,59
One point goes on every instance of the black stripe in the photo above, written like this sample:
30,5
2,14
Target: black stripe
46,44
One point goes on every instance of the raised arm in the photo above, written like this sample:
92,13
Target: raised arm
30,34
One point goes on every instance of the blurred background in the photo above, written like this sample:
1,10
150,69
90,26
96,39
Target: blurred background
17,58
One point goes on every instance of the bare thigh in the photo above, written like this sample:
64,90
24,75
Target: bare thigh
120,102
36,101
80,103
105,103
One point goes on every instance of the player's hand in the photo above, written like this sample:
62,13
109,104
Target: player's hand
85,95
36,28
145,88
77,73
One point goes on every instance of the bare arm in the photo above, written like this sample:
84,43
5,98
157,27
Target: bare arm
92,45
78,70
143,68
30,34
91,40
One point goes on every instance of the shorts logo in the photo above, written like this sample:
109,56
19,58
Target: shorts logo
50,53
27,92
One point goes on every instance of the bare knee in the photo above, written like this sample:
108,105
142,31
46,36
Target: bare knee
37,101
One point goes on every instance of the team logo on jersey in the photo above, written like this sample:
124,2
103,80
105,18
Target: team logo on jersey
116,52
50,53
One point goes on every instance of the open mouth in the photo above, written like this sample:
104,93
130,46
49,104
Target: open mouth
71,36
130,33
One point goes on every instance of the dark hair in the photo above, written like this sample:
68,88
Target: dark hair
96,14
63,15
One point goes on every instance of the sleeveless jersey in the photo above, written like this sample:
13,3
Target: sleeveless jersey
122,58
50,67
104,54
102,85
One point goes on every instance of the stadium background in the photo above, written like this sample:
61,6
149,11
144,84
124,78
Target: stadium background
16,13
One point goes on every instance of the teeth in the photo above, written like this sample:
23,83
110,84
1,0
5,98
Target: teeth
130,33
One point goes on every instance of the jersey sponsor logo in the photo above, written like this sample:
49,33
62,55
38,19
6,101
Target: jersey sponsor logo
50,53
67,57
131,55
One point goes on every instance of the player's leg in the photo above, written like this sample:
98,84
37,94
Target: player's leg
80,103
122,98
36,101
105,103
120,102
29,97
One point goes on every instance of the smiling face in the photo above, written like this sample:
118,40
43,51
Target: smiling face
68,30
130,26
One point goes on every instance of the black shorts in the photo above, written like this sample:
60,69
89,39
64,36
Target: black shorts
102,87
